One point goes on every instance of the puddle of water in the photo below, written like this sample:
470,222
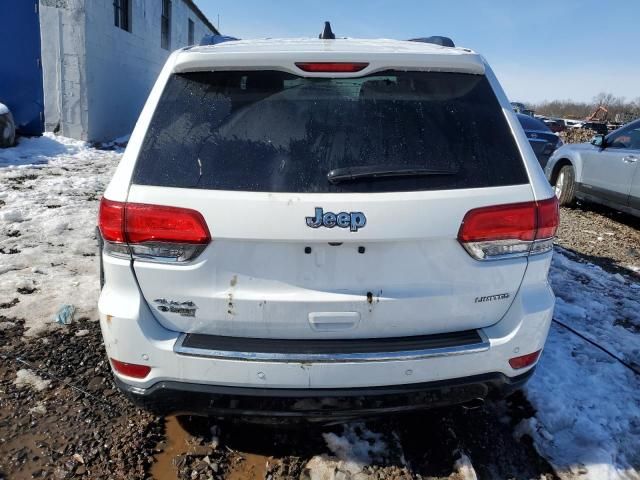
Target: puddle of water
250,467
29,444
177,443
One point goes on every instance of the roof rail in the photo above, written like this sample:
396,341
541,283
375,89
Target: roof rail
216,39
436,40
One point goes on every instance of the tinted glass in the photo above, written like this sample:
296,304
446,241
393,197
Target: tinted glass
276,132
530,123
626,137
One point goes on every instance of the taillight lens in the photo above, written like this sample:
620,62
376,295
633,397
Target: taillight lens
512,230
157,223
332,67
130,369
111,220
548,218
502,222
152,232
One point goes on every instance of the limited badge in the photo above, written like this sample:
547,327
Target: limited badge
491,298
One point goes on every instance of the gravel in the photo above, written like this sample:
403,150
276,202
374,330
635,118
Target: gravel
602,236
80,426
75,426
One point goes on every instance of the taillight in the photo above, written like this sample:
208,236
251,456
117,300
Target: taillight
512,230
548,218
152,232
524,360
111,220
332,67
157,223
130,369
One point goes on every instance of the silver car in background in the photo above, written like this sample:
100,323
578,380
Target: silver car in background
604,171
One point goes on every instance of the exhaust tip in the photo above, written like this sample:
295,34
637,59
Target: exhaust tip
473,404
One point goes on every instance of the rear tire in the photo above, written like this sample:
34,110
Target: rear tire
565,186
7,130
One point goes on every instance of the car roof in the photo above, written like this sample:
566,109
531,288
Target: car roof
532,123
337,45
282,54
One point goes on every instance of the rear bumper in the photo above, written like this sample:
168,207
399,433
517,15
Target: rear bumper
318,405
131,334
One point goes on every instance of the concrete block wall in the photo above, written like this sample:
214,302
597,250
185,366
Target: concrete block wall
122,66
62,28
103,86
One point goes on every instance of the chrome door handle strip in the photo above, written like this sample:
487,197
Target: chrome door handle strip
630,159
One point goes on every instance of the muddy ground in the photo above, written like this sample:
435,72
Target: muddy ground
80,426
73,423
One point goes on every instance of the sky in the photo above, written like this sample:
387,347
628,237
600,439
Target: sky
540,50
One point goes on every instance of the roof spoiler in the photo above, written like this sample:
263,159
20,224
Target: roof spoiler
436,40
216,39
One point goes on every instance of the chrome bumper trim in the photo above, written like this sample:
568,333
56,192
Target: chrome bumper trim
418,354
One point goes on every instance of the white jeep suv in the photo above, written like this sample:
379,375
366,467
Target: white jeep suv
322,228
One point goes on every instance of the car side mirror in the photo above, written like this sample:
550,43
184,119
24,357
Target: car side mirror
598,141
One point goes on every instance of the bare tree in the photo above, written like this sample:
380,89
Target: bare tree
581,110
605,99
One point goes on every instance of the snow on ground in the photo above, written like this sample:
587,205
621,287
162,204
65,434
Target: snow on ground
606,307
49,192
39,150
26,378
357,453
588,405
352,451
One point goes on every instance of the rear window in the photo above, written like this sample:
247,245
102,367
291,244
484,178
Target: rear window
272,131
530,123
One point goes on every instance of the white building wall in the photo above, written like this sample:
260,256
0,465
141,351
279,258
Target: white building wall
122,66
102,74
62,27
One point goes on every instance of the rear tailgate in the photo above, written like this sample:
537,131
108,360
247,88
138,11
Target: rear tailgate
256,279
251,150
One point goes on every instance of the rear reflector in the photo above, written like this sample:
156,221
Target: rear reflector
503,231
524,361
152,232
334,67
130,369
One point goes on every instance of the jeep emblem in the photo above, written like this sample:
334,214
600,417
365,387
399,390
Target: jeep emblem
352,220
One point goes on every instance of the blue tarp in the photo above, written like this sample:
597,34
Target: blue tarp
20,65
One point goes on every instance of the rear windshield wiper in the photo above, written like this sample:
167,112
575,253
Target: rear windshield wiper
338,175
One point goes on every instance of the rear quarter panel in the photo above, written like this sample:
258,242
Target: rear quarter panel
566,152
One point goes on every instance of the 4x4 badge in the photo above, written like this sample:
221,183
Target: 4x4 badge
351,220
